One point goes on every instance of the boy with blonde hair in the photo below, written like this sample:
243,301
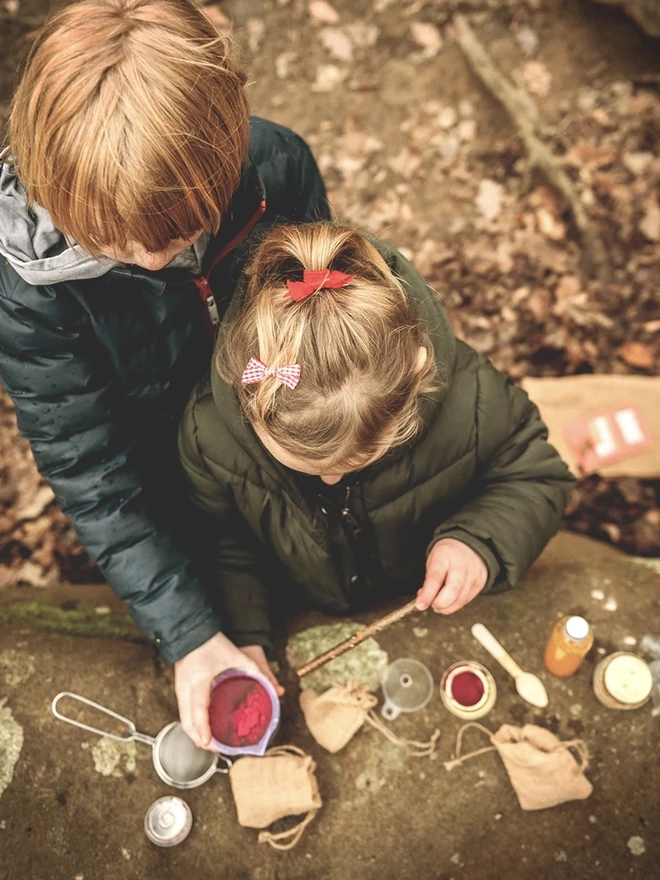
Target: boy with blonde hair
132,183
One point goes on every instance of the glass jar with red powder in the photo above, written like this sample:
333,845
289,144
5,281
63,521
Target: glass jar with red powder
468,689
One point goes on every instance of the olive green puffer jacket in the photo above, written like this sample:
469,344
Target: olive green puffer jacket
480,471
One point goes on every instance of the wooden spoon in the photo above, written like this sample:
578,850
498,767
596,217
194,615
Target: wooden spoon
529,686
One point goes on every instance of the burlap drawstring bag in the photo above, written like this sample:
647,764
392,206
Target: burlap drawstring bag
336,715
281,783
541,768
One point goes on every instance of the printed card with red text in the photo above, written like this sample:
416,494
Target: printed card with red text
606,436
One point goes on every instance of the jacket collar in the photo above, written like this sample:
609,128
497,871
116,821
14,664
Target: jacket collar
242,208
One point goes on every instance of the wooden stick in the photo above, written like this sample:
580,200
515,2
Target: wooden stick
525,114
356,639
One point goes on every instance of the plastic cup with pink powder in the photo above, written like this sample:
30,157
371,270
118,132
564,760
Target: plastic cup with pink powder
244,712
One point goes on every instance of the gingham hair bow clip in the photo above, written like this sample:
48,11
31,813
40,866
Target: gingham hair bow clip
256,371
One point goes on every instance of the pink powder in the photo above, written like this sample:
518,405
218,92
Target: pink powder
240,711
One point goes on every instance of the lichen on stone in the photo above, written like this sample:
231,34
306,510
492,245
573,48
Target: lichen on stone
653,564
365,663
11,743
114,758
16,666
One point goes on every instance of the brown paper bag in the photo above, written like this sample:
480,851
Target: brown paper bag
281,783
541,768
336,715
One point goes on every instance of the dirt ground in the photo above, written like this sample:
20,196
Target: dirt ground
414,148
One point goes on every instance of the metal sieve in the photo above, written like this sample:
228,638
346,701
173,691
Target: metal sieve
176,758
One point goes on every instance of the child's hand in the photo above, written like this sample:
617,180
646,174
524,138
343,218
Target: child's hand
193,675
455,574
257,653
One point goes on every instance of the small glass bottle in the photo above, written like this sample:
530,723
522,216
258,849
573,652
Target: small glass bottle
569,643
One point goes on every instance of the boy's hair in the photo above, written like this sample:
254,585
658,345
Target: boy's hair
358,348
130,123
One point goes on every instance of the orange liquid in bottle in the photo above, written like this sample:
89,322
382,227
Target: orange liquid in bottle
570,641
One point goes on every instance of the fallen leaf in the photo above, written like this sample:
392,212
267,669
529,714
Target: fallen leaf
637,163
465,108
449,147
363,34
567,288
467,129
337,43
218,18
427,36
328,76
527,40
256,28
283,64
405,162
539,303
649,225
489,199
36,505
537,78
34,575
431,254
447,118
323,12
550,226
636,354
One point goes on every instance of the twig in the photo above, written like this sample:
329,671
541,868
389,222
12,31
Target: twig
356,639
526,116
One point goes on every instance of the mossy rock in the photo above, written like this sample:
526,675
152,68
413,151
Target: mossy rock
365,663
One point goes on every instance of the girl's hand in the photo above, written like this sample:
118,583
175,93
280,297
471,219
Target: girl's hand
193,675
455,574
257,653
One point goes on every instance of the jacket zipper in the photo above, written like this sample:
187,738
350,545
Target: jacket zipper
365,556
212,315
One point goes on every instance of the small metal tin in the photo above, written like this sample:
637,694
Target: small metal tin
168,821
622,681
483,704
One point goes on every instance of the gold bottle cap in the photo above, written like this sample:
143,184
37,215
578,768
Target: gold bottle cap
628,679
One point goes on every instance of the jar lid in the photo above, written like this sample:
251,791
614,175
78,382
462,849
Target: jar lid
628,678
168,821
577,628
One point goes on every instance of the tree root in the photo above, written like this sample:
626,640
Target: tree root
525,114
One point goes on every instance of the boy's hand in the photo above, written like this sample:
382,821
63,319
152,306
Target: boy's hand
193,675
257,653
455,574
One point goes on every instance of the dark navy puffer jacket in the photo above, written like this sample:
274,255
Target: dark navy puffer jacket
100,369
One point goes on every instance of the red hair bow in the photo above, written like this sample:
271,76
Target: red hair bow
256,371
313,281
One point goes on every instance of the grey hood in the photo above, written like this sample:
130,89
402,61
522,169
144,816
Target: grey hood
41,254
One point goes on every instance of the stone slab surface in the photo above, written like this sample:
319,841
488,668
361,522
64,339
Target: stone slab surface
73,808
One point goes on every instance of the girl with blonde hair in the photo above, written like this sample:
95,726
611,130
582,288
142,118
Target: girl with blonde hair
348,449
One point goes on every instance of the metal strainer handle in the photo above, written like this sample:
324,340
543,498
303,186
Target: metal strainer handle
134,734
